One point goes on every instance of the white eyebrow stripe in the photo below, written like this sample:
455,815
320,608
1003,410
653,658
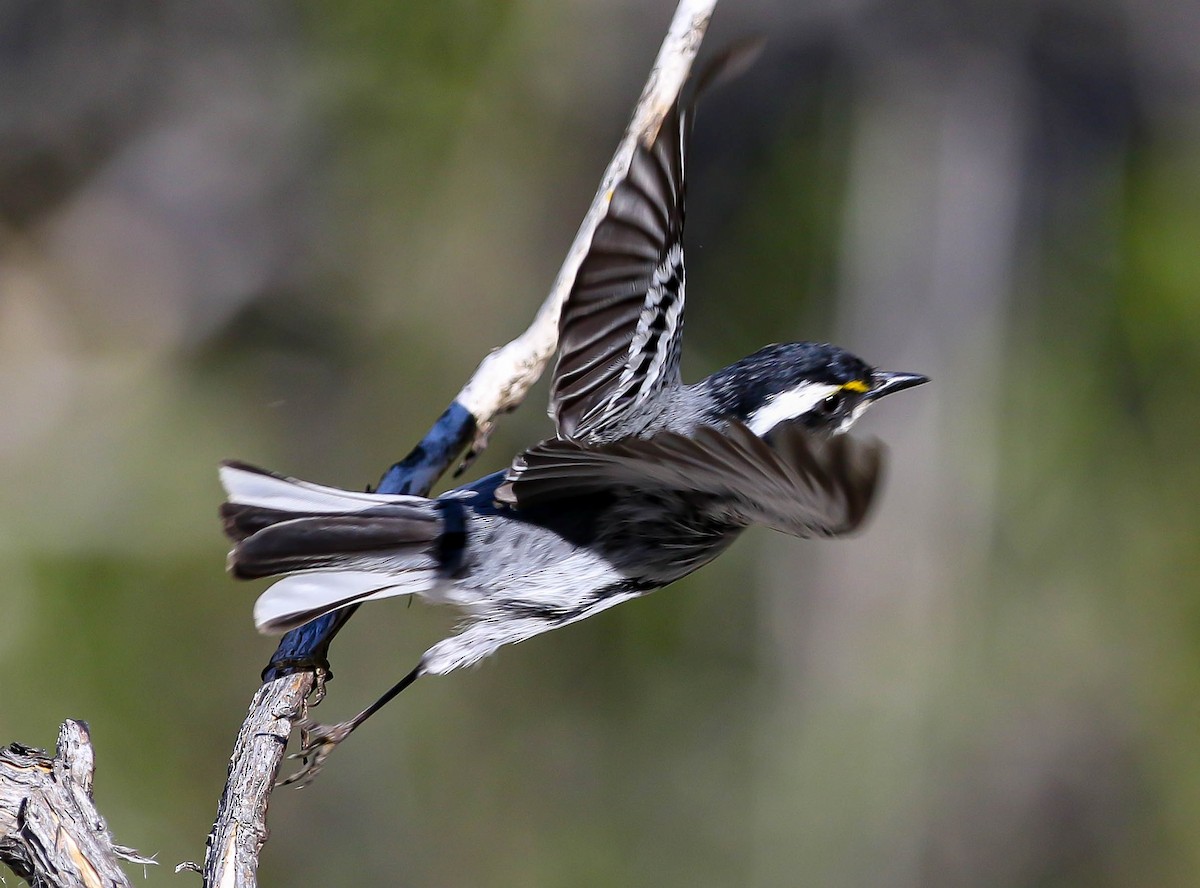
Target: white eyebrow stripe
789,405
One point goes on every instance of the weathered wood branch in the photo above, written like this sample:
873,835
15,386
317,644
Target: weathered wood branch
505,376
498,385
51,834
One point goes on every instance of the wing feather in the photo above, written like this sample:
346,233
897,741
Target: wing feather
797,483
621,324
623,316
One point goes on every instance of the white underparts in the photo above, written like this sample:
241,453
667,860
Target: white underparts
482,637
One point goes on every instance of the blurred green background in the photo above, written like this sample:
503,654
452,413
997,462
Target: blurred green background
287,232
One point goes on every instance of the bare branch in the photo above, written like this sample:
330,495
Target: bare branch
50,831
240,830
503,378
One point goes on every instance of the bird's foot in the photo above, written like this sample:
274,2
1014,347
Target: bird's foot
317,741
322,675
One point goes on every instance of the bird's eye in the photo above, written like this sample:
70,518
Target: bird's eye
832,404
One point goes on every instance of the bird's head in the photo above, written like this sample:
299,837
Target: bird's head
821,386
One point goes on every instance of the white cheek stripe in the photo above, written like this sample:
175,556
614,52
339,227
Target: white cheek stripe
854,415
789,405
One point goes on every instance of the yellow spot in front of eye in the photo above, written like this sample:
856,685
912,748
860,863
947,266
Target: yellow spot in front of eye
856,385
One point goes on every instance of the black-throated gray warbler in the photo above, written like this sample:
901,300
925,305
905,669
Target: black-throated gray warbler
645,480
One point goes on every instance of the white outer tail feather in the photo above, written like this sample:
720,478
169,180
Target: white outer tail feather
247,487
318,592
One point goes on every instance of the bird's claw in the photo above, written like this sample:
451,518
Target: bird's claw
321,677
317,741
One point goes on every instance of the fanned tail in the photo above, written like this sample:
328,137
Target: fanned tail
339,547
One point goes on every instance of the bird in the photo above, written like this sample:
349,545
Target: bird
645,479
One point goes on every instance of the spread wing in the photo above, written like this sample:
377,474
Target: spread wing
619,334
797,484
621,324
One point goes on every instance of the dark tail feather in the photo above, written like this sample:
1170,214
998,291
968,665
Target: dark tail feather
240,521
325,542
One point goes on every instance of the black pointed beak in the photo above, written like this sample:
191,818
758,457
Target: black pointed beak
887,383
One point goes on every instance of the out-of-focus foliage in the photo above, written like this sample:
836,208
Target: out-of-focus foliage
287,233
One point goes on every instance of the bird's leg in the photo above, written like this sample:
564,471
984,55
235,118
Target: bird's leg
317,741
